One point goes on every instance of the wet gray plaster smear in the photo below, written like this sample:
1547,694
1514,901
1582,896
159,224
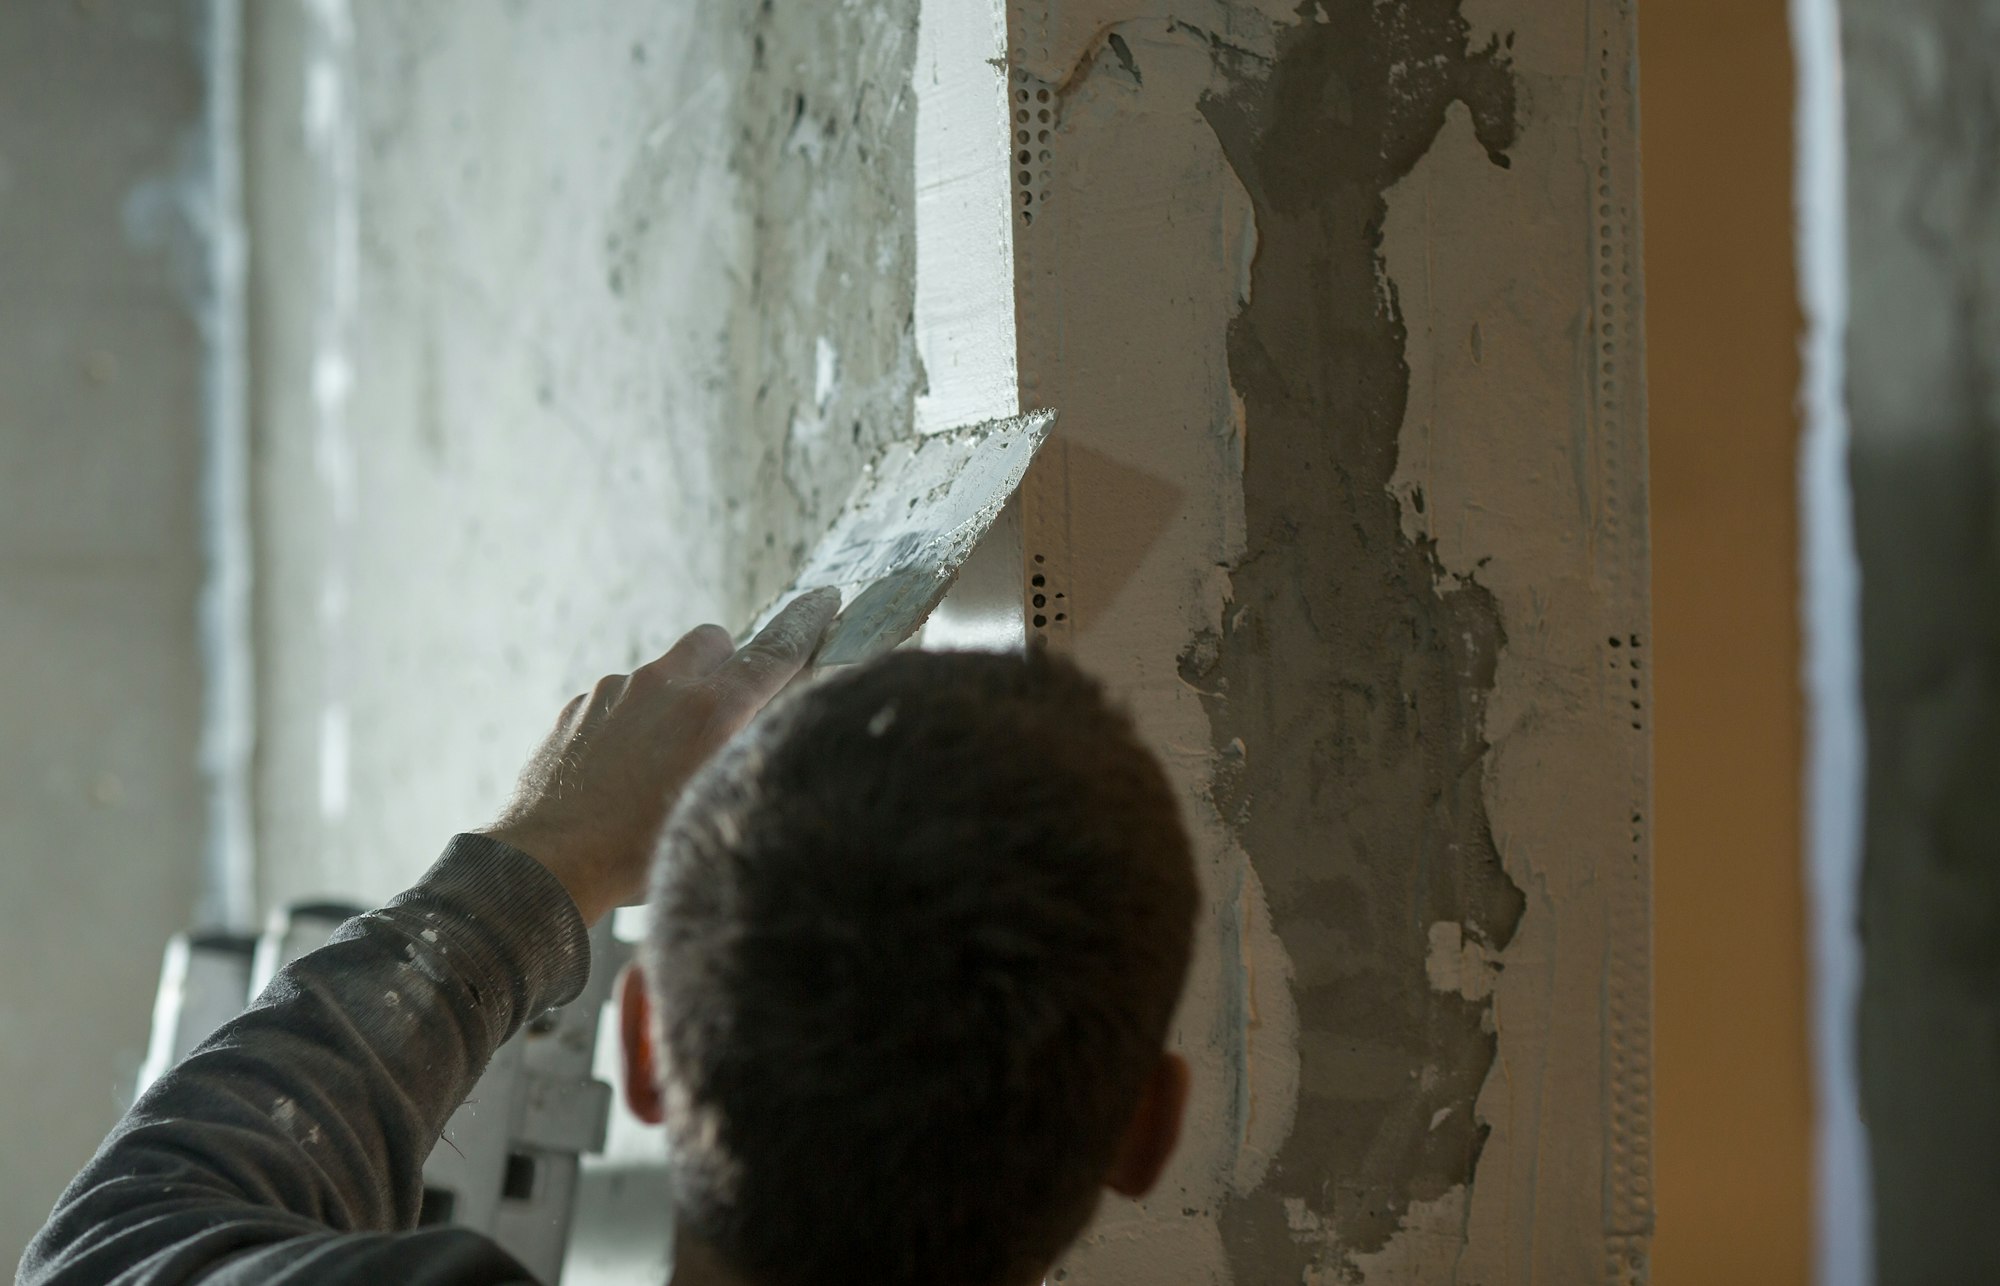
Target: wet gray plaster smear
1352,670
1208,309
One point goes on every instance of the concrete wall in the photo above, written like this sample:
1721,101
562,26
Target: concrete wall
101,369
1923,390
573,323
1722,336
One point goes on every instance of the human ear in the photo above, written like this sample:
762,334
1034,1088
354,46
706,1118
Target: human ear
1154,1130
635,1039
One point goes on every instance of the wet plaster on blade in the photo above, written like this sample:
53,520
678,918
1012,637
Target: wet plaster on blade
901,539
1351,668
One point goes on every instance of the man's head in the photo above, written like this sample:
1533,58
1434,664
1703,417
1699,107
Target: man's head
917,939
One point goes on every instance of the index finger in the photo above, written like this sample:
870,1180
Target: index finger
781,649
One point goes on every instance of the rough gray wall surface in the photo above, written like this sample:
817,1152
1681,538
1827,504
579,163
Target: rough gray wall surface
572,323
1923,355
1355,692
629,306
826,367
100,453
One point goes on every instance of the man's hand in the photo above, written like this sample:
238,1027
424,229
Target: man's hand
592,800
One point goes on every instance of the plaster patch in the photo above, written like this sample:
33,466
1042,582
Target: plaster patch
1354,676
1459,965
1126,279
1428,1247
1265,1042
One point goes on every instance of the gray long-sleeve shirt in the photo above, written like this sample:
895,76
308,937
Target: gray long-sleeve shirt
289,1148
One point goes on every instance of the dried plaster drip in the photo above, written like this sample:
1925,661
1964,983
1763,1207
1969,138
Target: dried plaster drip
1349,668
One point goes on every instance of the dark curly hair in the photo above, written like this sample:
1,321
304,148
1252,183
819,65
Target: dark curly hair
917,938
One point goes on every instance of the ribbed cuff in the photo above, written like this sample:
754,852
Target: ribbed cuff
516,924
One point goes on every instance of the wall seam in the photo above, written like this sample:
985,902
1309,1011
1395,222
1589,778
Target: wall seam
1620,417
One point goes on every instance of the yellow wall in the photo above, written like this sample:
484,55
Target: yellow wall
1722,325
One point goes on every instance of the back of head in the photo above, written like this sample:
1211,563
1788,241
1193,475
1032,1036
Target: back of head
917,940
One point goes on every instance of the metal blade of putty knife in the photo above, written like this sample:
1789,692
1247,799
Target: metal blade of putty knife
898,542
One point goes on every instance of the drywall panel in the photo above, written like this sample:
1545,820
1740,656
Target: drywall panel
1338,305
102,165
1922,89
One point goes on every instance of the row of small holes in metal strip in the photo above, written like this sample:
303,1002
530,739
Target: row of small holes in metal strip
1033,116
1032,110
1628,1035
1048,606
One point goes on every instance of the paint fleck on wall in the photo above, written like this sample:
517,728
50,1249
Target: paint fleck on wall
1350,678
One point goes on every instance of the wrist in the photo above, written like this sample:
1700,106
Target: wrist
558,858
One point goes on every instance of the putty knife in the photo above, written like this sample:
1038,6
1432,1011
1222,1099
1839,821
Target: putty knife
909,524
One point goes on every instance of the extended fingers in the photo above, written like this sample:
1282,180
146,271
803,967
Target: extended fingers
603,695
781,649
700,651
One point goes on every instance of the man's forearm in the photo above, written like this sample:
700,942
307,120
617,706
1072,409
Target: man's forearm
311,1114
